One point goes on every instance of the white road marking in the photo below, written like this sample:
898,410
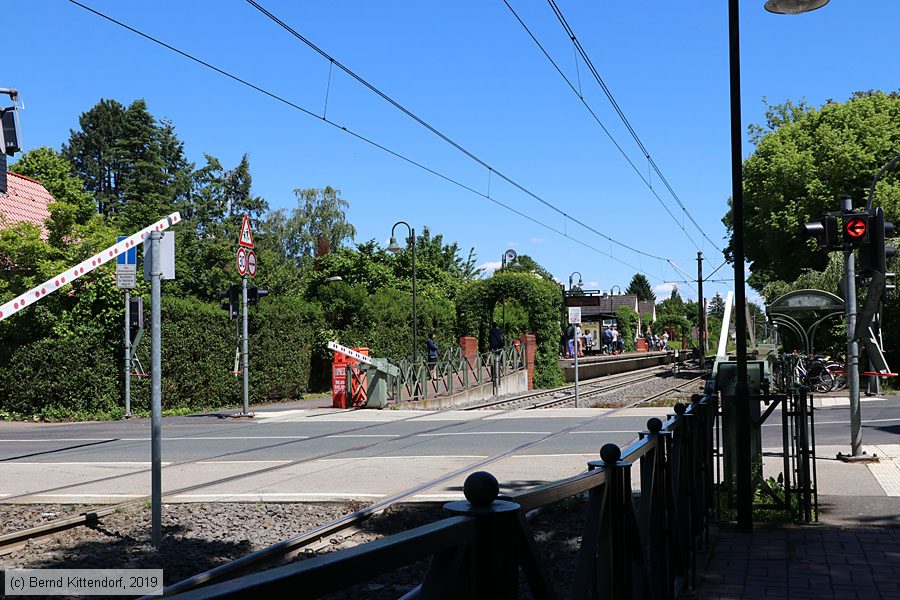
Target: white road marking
416,457
484,433
363,435
165,439
278,495
83,463
887,470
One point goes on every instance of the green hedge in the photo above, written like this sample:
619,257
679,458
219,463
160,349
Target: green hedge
61,377
81,376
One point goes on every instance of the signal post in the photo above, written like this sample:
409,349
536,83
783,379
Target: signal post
864,230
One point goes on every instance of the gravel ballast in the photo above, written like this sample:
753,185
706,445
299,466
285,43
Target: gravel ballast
198,537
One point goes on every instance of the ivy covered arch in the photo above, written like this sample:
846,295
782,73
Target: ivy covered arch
542,301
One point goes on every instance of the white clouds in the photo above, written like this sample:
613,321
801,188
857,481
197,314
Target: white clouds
536,240
490,266
593,285
664,288
512,244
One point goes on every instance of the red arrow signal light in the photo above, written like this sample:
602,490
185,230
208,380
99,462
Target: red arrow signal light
856,228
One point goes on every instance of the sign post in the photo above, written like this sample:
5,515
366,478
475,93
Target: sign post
245,250
155,389
126,278
575,319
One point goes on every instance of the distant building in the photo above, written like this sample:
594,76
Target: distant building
23,199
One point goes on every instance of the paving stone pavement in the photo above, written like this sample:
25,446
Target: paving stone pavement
853,552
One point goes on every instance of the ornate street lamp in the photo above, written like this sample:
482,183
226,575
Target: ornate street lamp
742,391
579,284
395,248
793,7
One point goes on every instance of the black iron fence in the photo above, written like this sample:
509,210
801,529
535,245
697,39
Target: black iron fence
635,544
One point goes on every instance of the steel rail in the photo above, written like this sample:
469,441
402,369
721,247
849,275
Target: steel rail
581,482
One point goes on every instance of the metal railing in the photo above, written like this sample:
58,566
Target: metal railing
633,546
454,372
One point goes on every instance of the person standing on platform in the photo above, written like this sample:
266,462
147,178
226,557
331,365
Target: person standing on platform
432,348
570,341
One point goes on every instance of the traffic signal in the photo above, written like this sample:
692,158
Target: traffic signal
874,256
254,294
855,228
233,305
136,313
825,232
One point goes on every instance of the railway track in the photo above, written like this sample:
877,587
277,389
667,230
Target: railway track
562,395
326,535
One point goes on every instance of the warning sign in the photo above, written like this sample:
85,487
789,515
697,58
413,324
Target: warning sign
246,239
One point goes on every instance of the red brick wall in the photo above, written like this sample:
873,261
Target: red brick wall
530,349
469,346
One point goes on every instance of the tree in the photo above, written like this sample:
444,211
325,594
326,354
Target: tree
806,159
640,286
318,225
672,305
527,264
716,306
133,165
73,205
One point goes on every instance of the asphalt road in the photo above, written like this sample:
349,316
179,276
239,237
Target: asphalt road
323,454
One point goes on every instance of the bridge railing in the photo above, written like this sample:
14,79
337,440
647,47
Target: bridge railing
642,545
454,372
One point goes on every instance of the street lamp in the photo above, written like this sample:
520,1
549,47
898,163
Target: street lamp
579,284
395,248
742,391
615,287
793,7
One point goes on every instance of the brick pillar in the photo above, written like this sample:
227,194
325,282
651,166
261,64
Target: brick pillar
530,349
469,347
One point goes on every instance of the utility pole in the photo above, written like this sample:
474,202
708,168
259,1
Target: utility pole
701,321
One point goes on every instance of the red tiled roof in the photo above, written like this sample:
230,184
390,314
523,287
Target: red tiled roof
26,200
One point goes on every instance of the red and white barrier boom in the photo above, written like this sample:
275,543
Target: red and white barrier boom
86,266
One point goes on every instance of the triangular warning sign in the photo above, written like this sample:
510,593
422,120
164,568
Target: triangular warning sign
246,239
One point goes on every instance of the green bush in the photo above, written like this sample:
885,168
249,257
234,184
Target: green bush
283,334
60,378
198,343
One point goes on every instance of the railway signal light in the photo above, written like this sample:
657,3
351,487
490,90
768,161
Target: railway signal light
874,256
233,304
825,232
254,294
855,228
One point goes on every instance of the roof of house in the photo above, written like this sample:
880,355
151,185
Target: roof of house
26,200
646,308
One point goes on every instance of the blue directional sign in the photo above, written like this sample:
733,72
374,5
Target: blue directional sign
129,257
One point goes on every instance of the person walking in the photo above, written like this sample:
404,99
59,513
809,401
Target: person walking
495,339
432,348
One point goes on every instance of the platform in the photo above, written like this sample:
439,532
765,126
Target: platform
599,365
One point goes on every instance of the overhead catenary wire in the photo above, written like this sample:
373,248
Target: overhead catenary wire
590,65
368,140
578,92
437,132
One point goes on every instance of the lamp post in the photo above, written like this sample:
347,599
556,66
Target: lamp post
615,287
579,284
395,248
742,390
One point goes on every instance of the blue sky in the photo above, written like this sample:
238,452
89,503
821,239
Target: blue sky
469,69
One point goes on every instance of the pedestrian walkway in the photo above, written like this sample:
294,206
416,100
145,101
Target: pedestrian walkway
853,552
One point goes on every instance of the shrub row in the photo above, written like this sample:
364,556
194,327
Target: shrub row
81,376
